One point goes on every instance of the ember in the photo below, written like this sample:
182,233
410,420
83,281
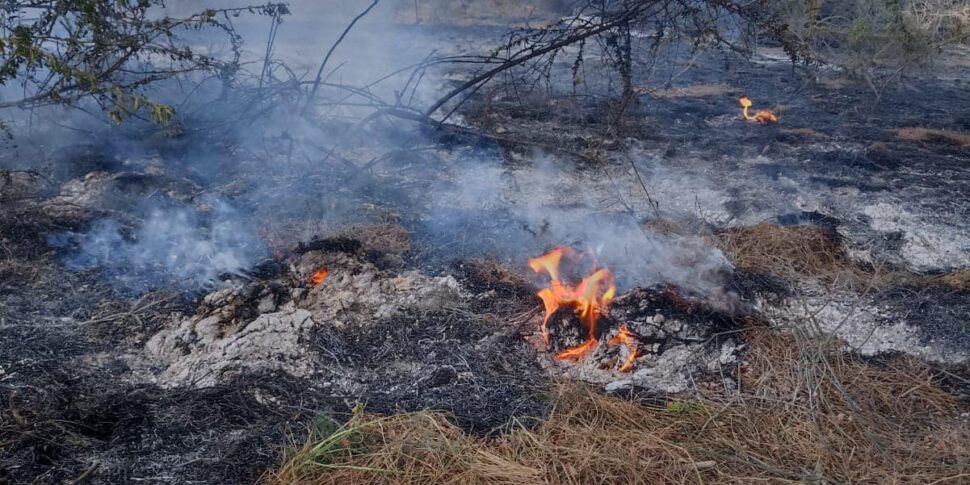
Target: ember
589,298
760,116
319,276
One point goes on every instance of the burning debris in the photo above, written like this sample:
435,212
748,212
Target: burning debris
663,340
627,339
760,116
319,276
589,298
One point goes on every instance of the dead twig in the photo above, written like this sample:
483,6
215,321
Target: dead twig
84,476
323,65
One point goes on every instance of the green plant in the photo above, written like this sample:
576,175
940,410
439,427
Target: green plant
683,407
62,51
875,40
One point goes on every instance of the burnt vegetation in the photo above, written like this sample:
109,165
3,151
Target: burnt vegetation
231,252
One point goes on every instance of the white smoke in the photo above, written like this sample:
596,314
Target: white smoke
518,213
472,204
175,245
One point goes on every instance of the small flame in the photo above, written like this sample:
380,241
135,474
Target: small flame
319,276
629,340
590,298
760,116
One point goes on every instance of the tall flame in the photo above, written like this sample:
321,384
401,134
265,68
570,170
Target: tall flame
760,116
590,298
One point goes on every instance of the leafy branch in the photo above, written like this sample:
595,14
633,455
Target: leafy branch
62,51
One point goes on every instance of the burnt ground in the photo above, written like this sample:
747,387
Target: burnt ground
79,399
74,408
841,158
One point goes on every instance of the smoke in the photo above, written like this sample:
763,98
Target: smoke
181,246
521,212
255,144
285,166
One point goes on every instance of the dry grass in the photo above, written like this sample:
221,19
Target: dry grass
958,280
478,12
388,238
664,226
804,413
934,136
876,40
799,132
835,83
792,252
808,252
948,21
692,91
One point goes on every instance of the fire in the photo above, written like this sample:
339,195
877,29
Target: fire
590,298
629,340
760,116
319,276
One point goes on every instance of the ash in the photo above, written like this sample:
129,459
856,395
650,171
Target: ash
395,339
271,325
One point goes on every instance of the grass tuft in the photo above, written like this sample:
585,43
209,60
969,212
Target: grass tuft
946,137
803,412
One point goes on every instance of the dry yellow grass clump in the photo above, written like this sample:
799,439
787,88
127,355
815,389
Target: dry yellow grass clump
809,252
959,280
804,412
934,136
692,91
792,252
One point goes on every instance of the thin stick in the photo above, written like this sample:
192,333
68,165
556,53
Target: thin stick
273,29
316,82
84,476
513,62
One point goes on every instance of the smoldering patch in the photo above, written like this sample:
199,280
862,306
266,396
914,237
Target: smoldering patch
182,246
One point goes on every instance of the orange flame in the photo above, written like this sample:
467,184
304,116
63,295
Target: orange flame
629,340
319,276
760,116
589,298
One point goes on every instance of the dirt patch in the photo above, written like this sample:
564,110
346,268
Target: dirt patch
20,185
77,425
796,135
835,83
268,325
102,193
491,279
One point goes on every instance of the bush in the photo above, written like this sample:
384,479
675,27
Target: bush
876,39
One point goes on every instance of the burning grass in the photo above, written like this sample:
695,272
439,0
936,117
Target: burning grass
804,411
590,297
760,116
